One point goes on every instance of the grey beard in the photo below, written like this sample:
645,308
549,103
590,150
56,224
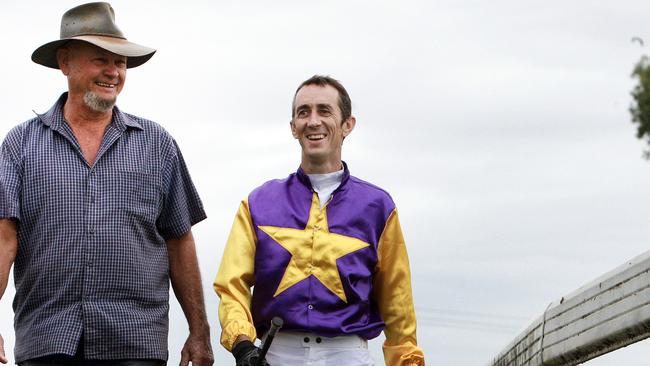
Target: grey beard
97,104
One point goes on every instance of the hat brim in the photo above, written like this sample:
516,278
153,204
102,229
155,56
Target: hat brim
135,54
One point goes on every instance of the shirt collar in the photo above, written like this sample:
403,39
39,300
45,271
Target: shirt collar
54,117
304,179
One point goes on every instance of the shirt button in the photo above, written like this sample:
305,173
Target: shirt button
310,306
306,339
92,230
318,340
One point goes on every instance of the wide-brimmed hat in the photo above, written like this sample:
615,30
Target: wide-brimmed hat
93,23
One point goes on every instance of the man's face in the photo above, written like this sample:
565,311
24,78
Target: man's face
94,74
317,124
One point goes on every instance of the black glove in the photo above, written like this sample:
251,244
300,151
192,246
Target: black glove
246,354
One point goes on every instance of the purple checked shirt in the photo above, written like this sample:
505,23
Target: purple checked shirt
92,257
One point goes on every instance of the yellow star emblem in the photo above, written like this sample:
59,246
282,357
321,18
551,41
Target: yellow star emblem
314,251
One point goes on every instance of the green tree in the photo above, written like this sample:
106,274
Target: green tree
640,108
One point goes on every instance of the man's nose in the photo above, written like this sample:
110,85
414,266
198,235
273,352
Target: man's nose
112,71
314,120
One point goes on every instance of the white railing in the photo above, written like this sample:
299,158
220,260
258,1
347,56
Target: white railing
611,312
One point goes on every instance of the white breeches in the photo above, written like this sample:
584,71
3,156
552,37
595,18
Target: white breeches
306,349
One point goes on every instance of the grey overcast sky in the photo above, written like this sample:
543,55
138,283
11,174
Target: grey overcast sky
501,129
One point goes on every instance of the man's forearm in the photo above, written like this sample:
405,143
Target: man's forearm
8,250
186,282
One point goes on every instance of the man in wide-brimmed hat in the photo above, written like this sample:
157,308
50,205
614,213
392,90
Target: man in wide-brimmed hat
96,210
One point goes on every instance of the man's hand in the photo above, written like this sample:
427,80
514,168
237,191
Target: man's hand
3,358
246,354
198,350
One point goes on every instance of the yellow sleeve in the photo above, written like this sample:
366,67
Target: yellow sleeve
235,279
392,291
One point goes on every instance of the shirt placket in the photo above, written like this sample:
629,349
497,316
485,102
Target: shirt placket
93,236
319,214
91,230
89,258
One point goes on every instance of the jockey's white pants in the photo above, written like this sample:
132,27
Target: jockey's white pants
306,349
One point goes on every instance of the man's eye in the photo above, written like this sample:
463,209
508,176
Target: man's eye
302,113
325,112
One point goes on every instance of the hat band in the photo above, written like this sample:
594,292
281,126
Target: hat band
72,36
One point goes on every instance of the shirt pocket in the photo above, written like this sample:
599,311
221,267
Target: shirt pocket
139,194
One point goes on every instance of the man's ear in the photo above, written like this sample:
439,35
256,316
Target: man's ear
348,125
293,129
62,58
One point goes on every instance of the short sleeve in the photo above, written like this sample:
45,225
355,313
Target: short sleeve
10,176
182,206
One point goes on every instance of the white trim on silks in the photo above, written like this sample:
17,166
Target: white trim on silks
307,349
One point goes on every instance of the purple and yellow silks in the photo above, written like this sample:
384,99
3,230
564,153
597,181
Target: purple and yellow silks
339,270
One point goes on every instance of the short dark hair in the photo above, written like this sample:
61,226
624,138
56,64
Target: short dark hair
345,104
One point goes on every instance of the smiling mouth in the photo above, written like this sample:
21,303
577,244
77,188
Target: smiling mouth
316,137
106,85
